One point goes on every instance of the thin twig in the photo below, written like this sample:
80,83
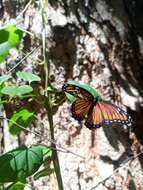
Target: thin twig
26,7
117,169
50,140
12,69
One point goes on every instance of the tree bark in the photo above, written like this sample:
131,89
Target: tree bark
97,42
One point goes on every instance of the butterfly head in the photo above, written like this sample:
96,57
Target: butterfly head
64,86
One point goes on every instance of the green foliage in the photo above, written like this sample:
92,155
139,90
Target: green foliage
18,91
46,151
14,91
70,97
4,78
51,89
48,158
27,76
20,163
17,186
23,118
45,172
10,37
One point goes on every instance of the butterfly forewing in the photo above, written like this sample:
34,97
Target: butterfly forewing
80,108
77,92
82,104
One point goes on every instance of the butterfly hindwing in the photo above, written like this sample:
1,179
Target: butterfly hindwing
105,113
95,118
113,115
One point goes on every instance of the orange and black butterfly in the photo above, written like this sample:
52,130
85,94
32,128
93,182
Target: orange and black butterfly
88,105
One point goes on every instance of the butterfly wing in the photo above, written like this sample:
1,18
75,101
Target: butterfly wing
82,104
80,108
105,113
78,92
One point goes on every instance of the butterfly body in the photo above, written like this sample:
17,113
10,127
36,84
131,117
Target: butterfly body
90,106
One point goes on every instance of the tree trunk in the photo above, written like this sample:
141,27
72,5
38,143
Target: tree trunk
100,42
97,42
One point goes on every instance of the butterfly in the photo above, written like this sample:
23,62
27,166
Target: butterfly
93,109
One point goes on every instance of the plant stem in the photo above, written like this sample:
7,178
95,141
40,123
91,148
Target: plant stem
48,103
54,151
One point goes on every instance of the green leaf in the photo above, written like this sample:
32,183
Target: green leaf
25,89
47,153
23,118
4,78
51,89
16,186
45,172
20,163
46,150
86,87
70,97
16,90
1,87
4,50
10,37
27,76
9,90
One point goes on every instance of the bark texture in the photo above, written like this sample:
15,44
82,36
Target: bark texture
105,50
97,42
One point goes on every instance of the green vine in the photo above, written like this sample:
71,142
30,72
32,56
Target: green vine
48,102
